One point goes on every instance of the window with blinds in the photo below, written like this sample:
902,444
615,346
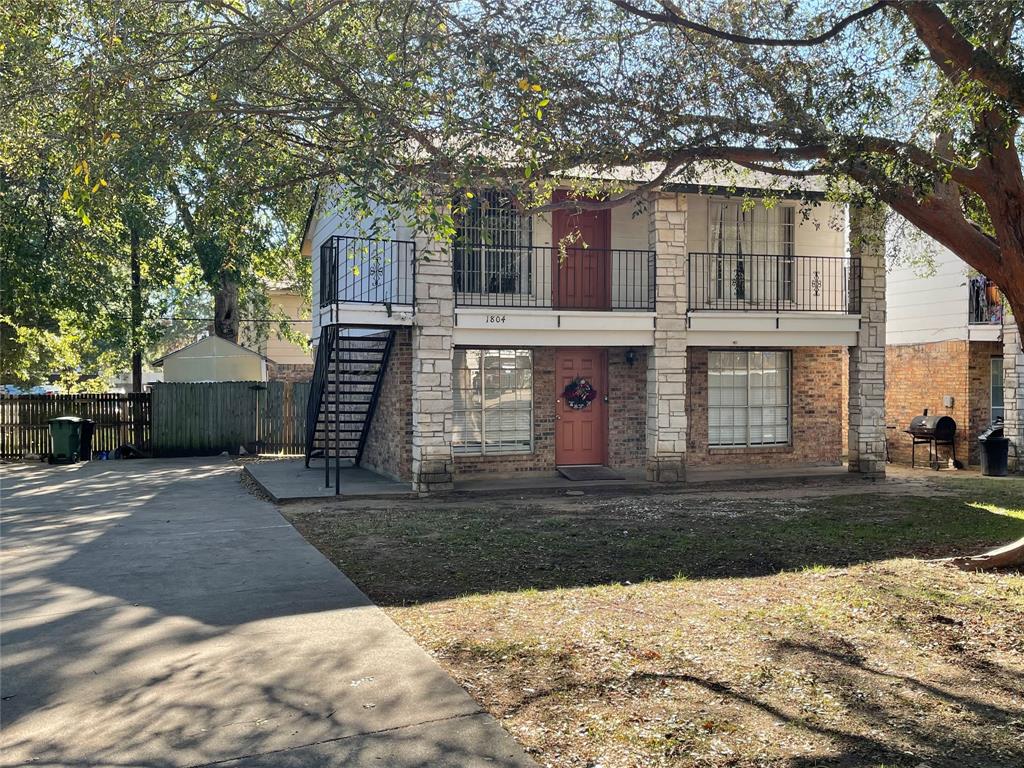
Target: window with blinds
492,248
492,392
748,398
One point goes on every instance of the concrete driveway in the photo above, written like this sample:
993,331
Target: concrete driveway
155,614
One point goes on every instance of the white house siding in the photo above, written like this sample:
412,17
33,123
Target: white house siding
924,309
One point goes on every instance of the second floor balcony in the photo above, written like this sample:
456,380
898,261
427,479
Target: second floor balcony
553,277
985,302
745,282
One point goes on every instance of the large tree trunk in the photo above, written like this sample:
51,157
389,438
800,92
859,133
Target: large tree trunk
225,308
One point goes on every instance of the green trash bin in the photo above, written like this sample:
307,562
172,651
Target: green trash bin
66,435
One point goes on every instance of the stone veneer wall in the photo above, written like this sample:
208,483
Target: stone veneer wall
817,411
389,442
666,367
432,463
867,433
627,414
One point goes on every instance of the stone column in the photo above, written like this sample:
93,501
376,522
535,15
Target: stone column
866,443
1013,384
433,325
666,365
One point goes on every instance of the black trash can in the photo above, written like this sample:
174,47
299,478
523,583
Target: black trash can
995,452
85,441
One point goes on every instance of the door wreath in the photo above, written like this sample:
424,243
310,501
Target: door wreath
579,393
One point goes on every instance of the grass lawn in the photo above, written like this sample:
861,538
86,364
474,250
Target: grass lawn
781,626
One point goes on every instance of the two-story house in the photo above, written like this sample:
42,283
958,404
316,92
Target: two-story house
950,348
694,332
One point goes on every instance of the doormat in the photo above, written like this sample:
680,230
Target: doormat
588,472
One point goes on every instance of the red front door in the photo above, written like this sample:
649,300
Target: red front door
581,274
581,435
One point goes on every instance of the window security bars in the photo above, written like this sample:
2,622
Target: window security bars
367,271
773,282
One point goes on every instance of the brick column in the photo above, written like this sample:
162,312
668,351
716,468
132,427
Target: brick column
866,442
1013,384
666,365
433,324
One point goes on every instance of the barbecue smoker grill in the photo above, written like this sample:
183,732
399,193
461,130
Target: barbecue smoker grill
932,431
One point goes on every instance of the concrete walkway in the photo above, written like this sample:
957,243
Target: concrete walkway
155,614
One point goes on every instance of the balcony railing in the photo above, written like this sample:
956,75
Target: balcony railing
574,278
367,271
767,282
985,302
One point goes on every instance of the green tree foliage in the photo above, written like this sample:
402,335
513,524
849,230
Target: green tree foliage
96,154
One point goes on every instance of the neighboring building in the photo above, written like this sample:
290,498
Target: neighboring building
946,347
213,359
708,335
288,361
123,381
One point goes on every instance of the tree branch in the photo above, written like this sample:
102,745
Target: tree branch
953,53
673,17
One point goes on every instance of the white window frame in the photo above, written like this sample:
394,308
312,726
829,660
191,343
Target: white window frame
482,449
748,407
994,383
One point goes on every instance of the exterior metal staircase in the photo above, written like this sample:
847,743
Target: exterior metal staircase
347,378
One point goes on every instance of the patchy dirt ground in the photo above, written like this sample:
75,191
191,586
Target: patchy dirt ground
783,625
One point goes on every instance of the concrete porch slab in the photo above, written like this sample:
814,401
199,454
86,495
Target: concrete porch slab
289,480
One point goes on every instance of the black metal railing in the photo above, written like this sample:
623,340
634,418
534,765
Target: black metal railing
768,282
367,271
511,276
985,302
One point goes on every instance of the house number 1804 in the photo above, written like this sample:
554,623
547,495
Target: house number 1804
496,318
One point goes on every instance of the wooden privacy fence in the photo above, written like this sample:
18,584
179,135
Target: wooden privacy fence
119,418
202,419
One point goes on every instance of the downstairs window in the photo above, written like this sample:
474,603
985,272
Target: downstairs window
492,390
748,398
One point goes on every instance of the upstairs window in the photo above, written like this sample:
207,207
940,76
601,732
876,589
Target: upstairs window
492,248
754,248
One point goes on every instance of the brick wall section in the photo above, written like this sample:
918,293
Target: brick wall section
627,409
817,410
921,375
294,372
979,392
389,442
627,417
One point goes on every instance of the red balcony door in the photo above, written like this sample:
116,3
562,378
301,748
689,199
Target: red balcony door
581,435
581,280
